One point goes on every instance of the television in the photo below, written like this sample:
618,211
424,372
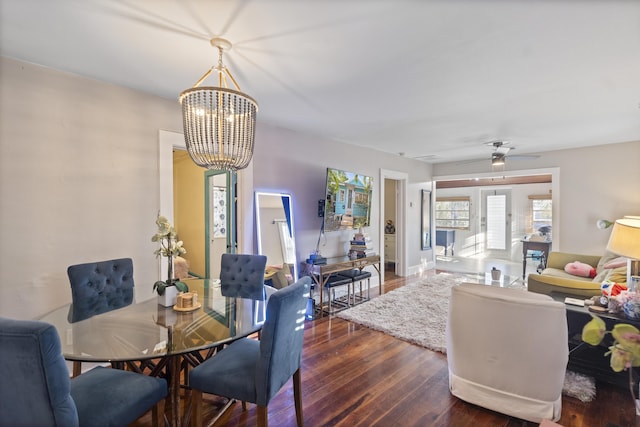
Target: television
347,200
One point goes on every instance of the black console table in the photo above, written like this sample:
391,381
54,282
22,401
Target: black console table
587,359
446,238
321,272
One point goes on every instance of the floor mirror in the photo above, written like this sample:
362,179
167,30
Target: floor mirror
276,238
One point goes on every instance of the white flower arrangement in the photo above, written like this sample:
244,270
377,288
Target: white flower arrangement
169,247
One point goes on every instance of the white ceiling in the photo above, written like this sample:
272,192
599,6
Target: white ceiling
434,79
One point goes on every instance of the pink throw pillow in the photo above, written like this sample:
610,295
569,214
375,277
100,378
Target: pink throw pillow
581,269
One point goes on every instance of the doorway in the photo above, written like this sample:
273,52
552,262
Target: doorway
390,221
170,141
398,197
472,240
220,218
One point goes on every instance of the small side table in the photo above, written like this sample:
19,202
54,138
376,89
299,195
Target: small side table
530,245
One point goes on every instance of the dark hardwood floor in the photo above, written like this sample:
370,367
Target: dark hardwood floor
354,376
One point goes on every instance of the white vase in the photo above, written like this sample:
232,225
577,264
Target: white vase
166,316
169,298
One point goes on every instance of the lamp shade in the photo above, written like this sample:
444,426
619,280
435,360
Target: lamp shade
625,238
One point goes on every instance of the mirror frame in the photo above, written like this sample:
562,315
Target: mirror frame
290,223
425,220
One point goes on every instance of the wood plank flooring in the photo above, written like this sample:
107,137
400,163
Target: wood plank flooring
354,376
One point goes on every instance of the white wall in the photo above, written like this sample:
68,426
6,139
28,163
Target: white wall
296,164
594,183
79,181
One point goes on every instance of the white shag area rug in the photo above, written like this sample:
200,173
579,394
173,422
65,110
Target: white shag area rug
400,313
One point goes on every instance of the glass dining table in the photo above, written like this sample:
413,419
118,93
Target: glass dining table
149,338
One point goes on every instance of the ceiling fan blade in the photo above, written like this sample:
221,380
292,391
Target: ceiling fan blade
469,161
524,157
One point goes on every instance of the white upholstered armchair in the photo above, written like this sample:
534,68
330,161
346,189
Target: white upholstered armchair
507,350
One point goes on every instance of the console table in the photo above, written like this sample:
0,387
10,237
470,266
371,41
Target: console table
321,272
588,359
446,238
530,245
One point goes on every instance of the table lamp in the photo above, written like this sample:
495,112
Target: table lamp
625,241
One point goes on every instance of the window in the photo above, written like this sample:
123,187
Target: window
541,213
453,212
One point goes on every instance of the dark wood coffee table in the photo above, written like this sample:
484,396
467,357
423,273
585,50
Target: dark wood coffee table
587,359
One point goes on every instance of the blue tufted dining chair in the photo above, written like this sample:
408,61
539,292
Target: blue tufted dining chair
35,389
98,287
254,371
242,275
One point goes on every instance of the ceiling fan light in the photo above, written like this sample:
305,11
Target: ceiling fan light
497,159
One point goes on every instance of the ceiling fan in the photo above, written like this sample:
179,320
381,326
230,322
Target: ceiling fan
500,151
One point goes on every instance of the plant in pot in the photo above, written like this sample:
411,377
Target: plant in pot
625,350
169,247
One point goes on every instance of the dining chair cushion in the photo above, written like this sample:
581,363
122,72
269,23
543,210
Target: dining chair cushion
34,384
281,339
242,275
35,389
234,369
129,395
98,287
254,371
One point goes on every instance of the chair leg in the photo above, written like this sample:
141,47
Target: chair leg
77,369
196,408
157,414
297,396
263,419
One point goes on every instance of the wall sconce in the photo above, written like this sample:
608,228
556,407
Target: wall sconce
603,224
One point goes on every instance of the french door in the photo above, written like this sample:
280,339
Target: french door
220,218
495,223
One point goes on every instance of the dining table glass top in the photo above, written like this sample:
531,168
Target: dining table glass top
147,330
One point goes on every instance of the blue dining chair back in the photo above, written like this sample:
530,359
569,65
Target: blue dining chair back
242,275
35,389
98,287
254,371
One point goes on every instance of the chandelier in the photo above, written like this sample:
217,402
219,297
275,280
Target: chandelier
219,122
